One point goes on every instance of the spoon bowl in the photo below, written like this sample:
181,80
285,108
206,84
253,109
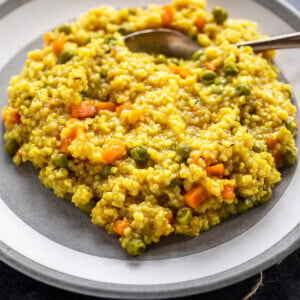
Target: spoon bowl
173,43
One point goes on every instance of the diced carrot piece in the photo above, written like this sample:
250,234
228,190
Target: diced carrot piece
65,143
271,142
15,117
182,72
210,66
228,193
200,23
106,106
59,43
170,216
85,109
195,196
4,115
215,170
168,15
278,158
125,106
10,115
48,36
120,226
113,151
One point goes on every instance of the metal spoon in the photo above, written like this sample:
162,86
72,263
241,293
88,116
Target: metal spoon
173,43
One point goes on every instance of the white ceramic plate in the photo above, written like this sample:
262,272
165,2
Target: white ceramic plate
48,239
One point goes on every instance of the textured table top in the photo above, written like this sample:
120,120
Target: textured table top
281,281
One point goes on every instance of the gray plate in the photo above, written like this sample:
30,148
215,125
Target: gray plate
62,223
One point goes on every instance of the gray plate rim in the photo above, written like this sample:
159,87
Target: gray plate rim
61,280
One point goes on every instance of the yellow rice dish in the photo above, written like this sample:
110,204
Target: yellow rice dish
149,145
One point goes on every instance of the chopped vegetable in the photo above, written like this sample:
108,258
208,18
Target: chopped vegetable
291,125
85,109
66,142
228,193
220,15
61,160
65,56
289,158
124,30
215,170
182,72
125,106
113,151
170,216
106,106
59,43
230,68
120,226
160,59
243,89
11,116
168,15
139,154
11,146
195,196
184,216
271,142
87,208
65,28
183,150
176,182
200,23
105,171
135,246
198,55
208,77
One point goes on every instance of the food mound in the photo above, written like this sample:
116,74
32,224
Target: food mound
145,144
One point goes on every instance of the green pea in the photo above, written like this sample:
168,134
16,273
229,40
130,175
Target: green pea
183,150
243,89
105,171
102,75
230,68
68,196
291,125
220,15
135,246
289,158
87,94
208,77
61,160
11,146
244,205
65,28
267,196
139,154
86,41
174,61
259,147
160,59
110,40
87,208
65,56
125,30
198,55
184,216
220,80
176,182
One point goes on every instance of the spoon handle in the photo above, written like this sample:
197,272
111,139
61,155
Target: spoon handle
285,41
